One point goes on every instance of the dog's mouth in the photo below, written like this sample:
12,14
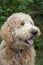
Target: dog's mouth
30,41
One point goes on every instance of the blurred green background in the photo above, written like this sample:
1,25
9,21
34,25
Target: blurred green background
32,7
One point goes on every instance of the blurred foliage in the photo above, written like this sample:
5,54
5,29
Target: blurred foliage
37,43
32,7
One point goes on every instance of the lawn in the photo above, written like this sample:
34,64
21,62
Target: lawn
39,57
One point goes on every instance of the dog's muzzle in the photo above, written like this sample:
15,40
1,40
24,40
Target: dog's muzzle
34,32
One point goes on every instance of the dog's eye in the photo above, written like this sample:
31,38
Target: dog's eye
31,23
22,23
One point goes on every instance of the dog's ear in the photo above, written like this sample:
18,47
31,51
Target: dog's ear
6,34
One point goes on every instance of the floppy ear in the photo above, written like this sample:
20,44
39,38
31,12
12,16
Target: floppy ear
6,34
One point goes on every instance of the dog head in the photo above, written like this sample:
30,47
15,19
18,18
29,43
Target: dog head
19,30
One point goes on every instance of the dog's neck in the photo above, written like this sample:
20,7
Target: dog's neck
16,51
19,51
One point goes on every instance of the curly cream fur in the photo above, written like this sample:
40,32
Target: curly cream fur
14,31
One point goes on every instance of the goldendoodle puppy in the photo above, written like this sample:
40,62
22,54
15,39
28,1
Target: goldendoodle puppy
18,34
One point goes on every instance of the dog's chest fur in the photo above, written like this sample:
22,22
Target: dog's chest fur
25,57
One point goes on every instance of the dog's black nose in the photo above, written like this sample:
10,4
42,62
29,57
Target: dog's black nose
34,32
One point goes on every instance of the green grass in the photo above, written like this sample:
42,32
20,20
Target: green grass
39,57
